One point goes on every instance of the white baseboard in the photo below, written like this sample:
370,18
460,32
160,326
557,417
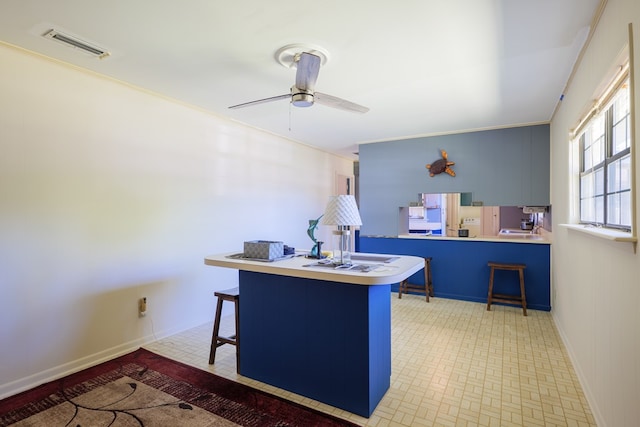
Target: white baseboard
52,374
581,377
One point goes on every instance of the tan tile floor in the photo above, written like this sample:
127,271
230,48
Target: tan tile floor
453,364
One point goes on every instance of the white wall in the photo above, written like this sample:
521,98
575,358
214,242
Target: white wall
109,193
596,288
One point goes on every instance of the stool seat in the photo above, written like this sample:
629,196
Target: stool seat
427,288
507,299
232,295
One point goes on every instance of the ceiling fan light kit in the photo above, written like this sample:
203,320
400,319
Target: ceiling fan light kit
301,98
307,59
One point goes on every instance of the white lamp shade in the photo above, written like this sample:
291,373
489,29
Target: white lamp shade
342,210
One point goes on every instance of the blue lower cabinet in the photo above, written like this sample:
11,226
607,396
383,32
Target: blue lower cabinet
460,271
324,340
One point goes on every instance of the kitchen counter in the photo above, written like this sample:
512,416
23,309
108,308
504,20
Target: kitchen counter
459,264
543,238
383,269
319,331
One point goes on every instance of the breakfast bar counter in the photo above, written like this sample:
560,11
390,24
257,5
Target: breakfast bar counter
460,265
319,331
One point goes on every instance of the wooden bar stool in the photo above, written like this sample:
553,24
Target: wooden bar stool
232,295
507,299
427,288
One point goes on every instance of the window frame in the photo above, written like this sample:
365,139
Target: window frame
626,57
596,213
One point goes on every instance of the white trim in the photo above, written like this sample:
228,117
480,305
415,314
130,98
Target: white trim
605,97
60,371
582,378
604,233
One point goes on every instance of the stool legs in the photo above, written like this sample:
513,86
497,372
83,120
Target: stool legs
428,279
490,296
508,299
237,335
216,332
523,296
405,286
231,295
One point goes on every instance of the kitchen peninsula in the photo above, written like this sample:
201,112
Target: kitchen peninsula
459,265
319,331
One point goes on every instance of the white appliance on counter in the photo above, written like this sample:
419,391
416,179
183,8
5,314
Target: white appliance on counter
430,217
421,225
416,212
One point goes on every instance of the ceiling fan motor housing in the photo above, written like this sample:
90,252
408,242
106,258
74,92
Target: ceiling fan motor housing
301,98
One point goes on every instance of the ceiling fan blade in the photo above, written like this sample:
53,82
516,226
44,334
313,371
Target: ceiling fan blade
261,101
335,102
308,69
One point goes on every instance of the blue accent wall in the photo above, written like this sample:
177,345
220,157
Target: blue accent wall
503,167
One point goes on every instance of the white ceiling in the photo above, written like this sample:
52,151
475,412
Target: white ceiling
423,67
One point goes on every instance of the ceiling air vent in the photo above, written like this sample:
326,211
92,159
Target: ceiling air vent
76,43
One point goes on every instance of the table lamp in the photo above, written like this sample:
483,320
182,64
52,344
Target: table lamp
343,212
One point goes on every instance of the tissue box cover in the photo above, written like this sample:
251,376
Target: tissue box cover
263,249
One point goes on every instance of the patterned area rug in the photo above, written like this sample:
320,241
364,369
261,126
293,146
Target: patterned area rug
145,389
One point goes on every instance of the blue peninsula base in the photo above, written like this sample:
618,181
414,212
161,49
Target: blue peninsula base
325,340
460,271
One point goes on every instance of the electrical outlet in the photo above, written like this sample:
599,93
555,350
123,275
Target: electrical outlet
142,307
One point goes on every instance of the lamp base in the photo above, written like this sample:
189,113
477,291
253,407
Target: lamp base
342,253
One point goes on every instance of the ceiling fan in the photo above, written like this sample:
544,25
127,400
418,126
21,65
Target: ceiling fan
302,93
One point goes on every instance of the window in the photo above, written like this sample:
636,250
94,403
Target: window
605,161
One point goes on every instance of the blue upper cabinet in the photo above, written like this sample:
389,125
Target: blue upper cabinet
502,167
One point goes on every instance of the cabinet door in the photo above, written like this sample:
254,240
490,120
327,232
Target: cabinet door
432,200
452,221
490,220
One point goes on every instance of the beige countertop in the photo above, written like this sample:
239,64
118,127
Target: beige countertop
384,269
543,238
